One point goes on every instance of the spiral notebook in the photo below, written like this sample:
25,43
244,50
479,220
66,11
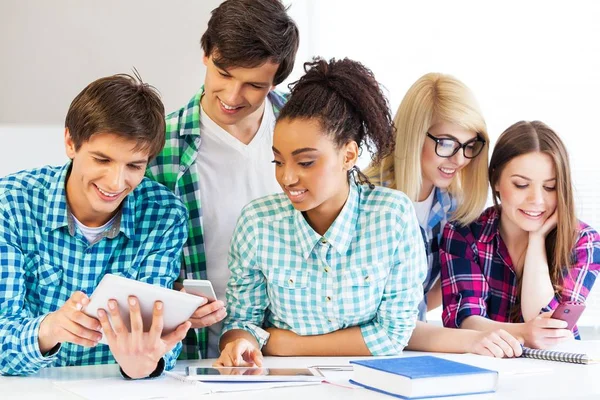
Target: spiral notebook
577,352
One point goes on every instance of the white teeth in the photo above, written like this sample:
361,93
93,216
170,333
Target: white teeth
107,193
533,214
225,106
447,170
296,193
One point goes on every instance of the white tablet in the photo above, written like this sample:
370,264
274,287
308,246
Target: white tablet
177,306
253,374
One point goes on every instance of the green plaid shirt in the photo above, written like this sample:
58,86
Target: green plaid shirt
172,168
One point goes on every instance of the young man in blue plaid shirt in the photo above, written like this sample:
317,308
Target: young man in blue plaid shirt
63,228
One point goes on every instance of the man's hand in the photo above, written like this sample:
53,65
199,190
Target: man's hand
208,314
69,324
240,353
543,332
138,352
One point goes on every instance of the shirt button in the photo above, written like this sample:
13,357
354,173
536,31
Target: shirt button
326,269
323,241
291,280
329,320
328,298
367,278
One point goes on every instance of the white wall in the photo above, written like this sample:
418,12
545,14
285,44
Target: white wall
524,60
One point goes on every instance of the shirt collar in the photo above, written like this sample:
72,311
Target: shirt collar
58,213
440,208
340,233
190,118
489,221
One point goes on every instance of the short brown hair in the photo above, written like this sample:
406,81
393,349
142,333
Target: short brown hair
248,33
122,105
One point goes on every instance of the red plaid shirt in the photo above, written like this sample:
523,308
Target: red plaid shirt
478,277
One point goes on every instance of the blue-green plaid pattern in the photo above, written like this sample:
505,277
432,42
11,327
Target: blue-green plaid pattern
172,168
42,264
367,270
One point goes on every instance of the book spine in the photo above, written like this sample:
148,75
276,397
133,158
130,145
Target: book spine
550,355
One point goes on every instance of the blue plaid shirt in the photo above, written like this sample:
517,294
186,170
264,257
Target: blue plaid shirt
367,270
44,258
443,205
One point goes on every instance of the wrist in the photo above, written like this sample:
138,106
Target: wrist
46,341
158,370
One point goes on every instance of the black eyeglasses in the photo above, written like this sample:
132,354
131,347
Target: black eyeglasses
447,147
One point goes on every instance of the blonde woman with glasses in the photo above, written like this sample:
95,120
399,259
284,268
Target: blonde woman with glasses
440,162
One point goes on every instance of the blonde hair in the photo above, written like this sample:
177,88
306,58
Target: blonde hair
433,98
527,137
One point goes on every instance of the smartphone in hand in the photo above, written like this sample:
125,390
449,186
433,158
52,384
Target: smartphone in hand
570,312
200,287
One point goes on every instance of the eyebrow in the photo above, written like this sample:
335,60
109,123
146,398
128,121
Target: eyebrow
296,152
223,70
528,179
102,155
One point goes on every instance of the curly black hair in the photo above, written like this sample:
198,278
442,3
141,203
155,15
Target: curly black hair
348,102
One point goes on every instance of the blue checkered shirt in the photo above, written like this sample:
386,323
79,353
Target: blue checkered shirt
44,258
441,208
367,270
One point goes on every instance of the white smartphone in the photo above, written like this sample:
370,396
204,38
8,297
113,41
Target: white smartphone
200,287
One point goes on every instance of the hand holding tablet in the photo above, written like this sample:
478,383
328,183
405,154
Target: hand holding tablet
178,307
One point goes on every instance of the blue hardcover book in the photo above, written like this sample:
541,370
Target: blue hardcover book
422,377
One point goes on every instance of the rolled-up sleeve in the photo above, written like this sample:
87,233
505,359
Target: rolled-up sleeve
246,294
578,280
388,333
464,286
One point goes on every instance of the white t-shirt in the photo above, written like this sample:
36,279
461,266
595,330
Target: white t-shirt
91,234
231,174
423,208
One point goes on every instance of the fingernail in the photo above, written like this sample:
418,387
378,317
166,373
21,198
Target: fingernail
101,313
159,305
132,301
78,307
111,305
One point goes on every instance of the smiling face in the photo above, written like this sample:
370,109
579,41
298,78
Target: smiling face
311,170
233,94
104,170
439,171
527,191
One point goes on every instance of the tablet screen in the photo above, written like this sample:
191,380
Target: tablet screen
253,373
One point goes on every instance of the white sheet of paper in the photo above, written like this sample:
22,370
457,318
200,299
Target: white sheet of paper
118,388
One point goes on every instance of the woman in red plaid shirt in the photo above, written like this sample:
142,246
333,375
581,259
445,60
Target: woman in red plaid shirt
528,252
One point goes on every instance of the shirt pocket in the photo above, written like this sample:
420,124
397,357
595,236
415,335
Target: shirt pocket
43,272
289,295
362,290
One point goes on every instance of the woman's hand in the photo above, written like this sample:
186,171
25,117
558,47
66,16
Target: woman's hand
498,344
240,353
543,332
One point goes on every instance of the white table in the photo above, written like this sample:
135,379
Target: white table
557,381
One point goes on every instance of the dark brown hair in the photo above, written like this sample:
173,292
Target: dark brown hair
122,105
248,33
346,99
527,137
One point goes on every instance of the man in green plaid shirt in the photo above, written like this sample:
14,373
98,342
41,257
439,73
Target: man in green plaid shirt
217,156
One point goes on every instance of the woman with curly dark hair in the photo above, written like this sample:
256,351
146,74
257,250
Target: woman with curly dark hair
333,265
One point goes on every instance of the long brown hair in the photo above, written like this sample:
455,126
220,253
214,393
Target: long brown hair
526,137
